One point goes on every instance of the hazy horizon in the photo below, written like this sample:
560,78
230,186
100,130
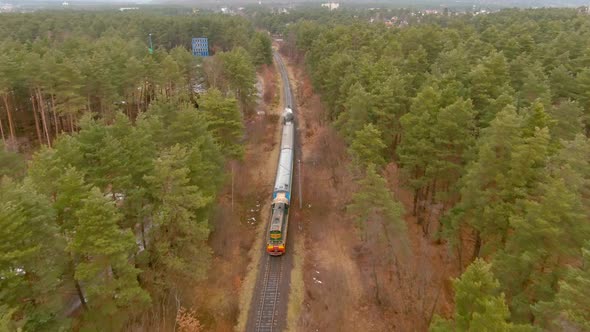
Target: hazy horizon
530,3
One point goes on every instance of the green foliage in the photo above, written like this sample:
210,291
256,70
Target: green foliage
108,187
575,171
240,74
261,46
179,251
529,271
103,250
52,73
417,148
116,212
224,120
572,300
367,147
479,306
568,117
373,200
359,108
30,264
454,138
488,198
11,164
486,117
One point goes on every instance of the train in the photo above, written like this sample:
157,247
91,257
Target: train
281,196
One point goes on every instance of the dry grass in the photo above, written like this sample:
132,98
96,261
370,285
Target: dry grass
297,287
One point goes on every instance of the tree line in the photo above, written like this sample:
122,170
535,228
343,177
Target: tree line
55,67
488,118
106,227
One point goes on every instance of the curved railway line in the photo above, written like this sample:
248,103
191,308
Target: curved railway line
269,304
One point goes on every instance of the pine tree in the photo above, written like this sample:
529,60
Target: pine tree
30,256
391,103
536,117
9,72
562,83
240,73
169,75
454,137
261,48
568,116
535,87
140,151
575,171
178,252
205,161
367,147
187,64
417,148
90,140
12,164
359,107
569,309
478,304
487,198
583,96
104,265
224,121
551,230
488,81
373,200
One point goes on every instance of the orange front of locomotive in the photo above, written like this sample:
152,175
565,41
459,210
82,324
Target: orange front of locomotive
275,249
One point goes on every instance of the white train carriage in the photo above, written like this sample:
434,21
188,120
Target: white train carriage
277,238
285,167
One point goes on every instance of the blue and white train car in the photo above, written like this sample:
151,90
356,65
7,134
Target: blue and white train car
277,238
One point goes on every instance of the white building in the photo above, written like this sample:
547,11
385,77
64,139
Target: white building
6,8
331,5
65,3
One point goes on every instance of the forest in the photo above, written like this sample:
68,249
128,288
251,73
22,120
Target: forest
112,159
113,155
488,118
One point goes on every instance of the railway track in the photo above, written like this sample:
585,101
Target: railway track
285,78
268,315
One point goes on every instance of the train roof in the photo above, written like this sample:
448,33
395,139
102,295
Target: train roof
277,217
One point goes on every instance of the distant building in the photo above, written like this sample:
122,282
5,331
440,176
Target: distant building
430,12
65,4
7,8
128,8
227,11
331,5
